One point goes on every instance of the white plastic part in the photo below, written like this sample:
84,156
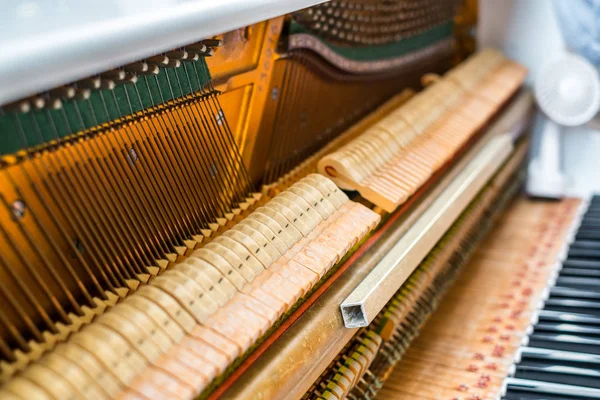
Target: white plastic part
567,90
544,176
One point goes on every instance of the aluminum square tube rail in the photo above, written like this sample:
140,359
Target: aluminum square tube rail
378,287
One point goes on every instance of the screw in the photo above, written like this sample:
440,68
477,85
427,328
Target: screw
18,209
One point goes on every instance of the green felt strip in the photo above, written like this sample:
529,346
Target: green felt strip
23,130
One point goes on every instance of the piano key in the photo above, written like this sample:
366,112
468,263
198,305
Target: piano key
559,374
576,318
522,389
559,292
590,219
580,272
576,306
574,263
568,329
582,244
578,282
588,235
527,355
565,342
583,253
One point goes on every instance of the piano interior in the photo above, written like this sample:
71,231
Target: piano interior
325,202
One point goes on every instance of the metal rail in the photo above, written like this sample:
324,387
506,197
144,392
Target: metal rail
378,287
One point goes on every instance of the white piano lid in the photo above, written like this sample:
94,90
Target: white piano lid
47,43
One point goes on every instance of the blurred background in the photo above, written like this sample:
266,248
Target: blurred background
532,32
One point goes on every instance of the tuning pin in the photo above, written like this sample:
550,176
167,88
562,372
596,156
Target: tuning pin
129,78
136,68
107,84
196,48
82,93
66,92
22,106
177,54
38,102
152,70
212,42
160,60
192,57
115,74
90,83
200,49
173,63
54,104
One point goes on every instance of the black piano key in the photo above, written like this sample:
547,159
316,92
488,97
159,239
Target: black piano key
574,306
559,374
585,244
592,219
574,318
562,359
535,355
577,253
578,282
569,329
583,272
587,235
525,389
574,263
565,292
565,342
515,394
588,226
